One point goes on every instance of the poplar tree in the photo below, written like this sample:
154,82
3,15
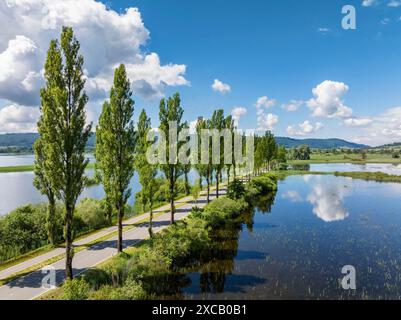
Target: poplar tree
230,125
60,152
115,146
218,123
171,112
147,172
204,169
44,185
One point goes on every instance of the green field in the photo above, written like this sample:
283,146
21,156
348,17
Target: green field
29,168
347,158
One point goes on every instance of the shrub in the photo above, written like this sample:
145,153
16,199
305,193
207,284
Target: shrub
90,215
221,210
131,290
77,289
22,230
236,190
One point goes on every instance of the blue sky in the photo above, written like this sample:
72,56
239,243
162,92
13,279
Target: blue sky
274,49
281,50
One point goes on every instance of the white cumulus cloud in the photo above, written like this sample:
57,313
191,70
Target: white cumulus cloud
304,128
357,122
267,121
293,105
237,113
265,102
328,100
15,118
221,87
369,3
107,39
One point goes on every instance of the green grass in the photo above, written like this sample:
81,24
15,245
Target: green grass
48,248
347,158
370,176
29,168
281,175
16,169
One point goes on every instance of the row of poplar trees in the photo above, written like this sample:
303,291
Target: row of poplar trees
121,148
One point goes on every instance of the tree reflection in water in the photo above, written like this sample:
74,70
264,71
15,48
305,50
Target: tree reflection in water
218,261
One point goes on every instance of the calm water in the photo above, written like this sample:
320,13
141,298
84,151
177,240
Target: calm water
297,248
350,167
16,188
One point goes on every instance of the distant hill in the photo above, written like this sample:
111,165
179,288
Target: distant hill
21,140
394,145
26,140
319,143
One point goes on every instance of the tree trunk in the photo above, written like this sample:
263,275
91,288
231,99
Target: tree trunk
109,215
235,173
208,188
69,249
172,209
120,228
200,182
151,221
186,184
51,220
228,175
217,184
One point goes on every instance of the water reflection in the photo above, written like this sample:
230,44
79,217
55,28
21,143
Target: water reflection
212,274
292,196
327,199
284,250
388,168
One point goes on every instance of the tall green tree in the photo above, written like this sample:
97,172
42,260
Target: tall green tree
204,169
147,172
63,130
218,122
44,186
230,125
171,112
270,146
43,165
115,146
186,168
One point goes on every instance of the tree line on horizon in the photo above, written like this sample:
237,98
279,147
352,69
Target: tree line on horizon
120,148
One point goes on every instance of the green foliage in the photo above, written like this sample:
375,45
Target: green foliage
171,111
60,158
77,289
24,229
300,153
204,170
153,269
196,191
236,190
260,186
90,215
115,145
131,290
281,155
266,150
222,210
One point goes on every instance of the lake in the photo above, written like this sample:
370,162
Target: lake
16,188
389,168
295,246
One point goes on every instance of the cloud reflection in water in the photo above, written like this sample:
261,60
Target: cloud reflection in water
327,199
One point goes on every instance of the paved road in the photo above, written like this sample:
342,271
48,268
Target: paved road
30,286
